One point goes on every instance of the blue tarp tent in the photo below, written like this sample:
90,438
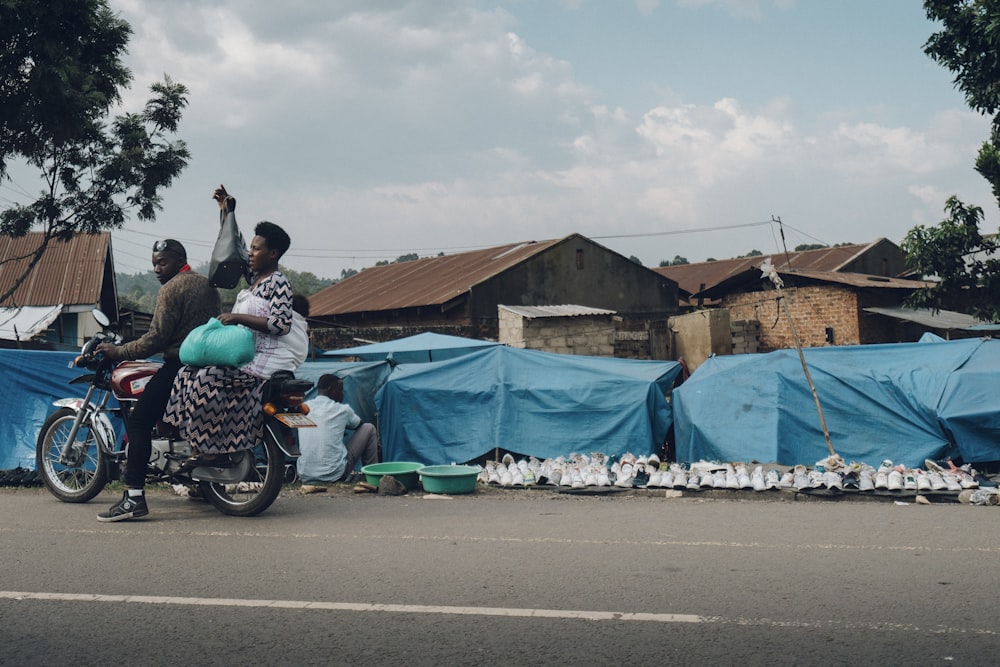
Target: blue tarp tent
969,409
906,402
32,380
362,379
423,347
534,403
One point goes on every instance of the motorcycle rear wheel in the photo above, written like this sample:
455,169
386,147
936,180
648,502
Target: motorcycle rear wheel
258,490
76,481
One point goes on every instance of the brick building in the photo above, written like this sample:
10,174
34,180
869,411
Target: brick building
827,307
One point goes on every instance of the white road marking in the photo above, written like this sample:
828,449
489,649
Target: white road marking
472,539
565,614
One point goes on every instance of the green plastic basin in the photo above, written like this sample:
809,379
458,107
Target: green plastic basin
449,479
404,471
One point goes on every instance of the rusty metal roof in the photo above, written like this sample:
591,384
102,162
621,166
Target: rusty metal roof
423,282
568,310
69,272
701,276
792,277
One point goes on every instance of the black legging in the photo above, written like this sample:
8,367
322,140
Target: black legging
147,411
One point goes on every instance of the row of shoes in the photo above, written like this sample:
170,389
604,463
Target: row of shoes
19,477
575,471
582,470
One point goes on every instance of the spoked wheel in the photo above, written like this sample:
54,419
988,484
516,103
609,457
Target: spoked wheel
258,490
83,472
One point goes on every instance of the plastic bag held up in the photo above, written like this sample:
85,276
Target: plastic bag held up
229,257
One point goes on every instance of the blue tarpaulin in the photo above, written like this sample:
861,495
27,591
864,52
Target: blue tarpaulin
422,347
32,380
361,380
533,403
906,402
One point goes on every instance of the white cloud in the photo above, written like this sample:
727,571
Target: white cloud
415,124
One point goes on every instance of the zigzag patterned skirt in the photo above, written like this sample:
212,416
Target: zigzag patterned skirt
217,409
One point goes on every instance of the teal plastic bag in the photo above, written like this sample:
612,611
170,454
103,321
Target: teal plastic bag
216,344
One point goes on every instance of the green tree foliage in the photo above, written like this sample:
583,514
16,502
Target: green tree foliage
959,256
60,75
752,253
676,261
409,257
138,291
810,246
956,253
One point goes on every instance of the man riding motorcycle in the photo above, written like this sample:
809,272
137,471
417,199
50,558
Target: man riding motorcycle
185,301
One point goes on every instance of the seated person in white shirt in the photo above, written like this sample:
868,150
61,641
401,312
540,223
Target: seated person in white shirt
325,457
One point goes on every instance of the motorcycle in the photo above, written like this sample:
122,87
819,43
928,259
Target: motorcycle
77,450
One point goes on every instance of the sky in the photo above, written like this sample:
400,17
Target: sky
370,129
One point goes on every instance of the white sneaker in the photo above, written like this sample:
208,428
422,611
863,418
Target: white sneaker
624,479
865,482
771,479
881,480
951,481
894,480
680,479
757,479
732,480
743,477
694,481
909,481
833,480
801,477
787,480
602,477
922,479
936,480
654,479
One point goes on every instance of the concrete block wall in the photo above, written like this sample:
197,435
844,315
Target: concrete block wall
583,334
746,336
813,309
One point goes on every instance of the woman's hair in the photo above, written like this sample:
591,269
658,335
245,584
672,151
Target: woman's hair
275,237
300,304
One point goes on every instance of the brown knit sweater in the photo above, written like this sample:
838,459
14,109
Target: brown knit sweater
184,302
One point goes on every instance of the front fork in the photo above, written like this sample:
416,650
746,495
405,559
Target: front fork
87,412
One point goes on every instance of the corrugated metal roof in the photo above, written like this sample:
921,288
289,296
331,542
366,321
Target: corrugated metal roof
532,312
422,282
942,319
702,275
856,279
861,280
69,272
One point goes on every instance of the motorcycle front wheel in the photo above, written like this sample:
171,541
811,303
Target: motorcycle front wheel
84,472
258,489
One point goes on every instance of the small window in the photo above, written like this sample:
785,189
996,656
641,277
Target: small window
579,258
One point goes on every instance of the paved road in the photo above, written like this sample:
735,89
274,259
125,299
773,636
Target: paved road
505,577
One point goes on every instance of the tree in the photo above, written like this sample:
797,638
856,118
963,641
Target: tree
810,246
752,253
60,74
956,252
676,261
